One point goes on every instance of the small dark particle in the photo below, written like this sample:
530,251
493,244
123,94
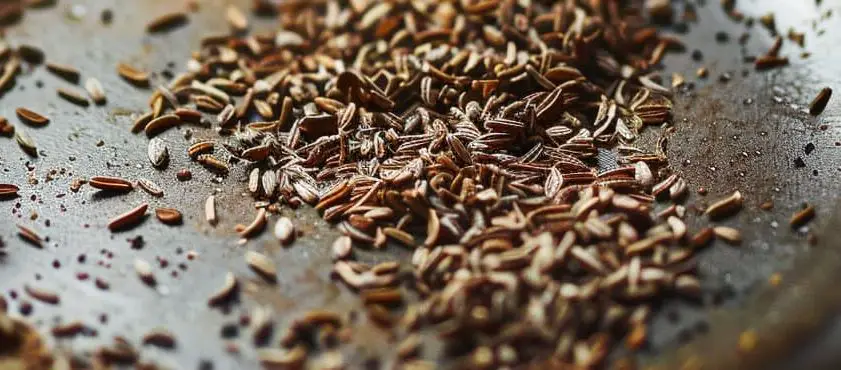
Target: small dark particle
810,147
25,308
799,163
697,55
205,365
107,16
136,242
184,175
230,331
722,37
725,77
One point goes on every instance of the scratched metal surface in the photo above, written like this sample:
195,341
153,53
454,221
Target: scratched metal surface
722,143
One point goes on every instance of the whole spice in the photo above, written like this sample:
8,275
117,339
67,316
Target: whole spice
31,117
166,22
818,104
128,219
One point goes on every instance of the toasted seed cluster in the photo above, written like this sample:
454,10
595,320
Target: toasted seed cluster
468,132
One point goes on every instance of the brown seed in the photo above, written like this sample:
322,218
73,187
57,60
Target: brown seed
702,237
30,236
725,207
200,147
728,234
226,292
400,236
818,104
41,294
161,123
150,187
144,271
262,265
236,19
169,216
31,54
210,210
184,175
6,128
166,22
69,329
212,163
256,225
802,217
766,62
159,338
108,183
8,190
31,117
141,122
95,90
73,96
64,71
284,230
133,75
128,219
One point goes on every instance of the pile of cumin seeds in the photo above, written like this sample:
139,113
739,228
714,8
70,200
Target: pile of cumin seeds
468,132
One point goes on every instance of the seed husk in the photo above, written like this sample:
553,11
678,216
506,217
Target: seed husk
725,207
167,22
342,247
282,358
8,190
157,152
41,294
30,236
133,75
144,271
96,91
128,219
802,216
226,292
256,225
730,235
169,216
73,96
160,124
210,210
818,104
236,18
26,143
109,183
284,230
31,117
159,338
150,187
262,265
64,71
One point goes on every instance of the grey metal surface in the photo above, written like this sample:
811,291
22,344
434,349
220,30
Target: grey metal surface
721,143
